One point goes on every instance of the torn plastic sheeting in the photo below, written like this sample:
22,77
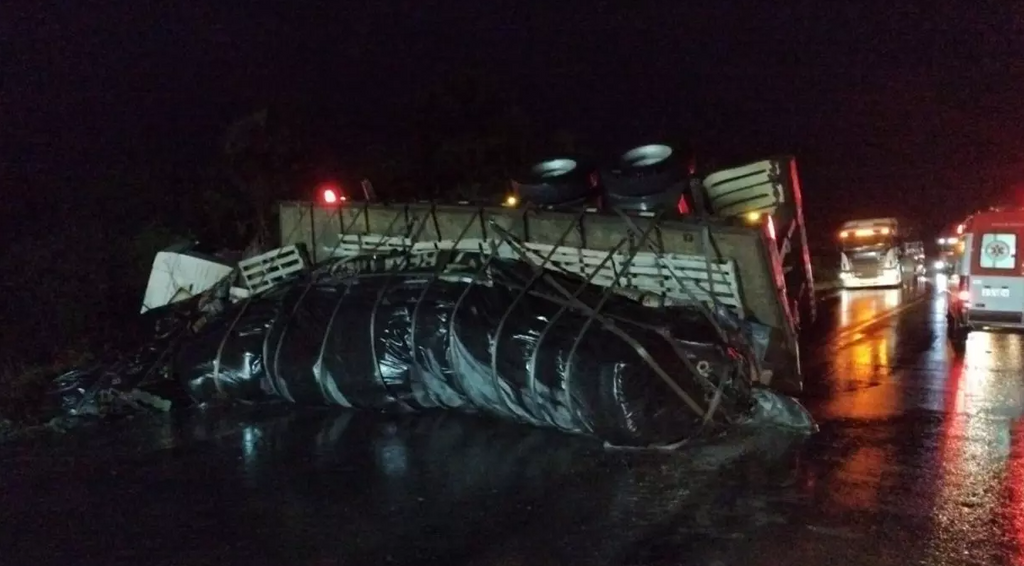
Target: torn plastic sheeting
120,380
97,392
780,411
407,342
76,392
749,332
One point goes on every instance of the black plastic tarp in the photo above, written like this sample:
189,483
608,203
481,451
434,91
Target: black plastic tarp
417,341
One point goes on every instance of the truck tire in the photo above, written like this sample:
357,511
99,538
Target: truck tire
643,171
655,202
555,181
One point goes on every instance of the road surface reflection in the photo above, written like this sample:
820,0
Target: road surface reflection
861,305
852,370
920,460
342,488
981,463
929,439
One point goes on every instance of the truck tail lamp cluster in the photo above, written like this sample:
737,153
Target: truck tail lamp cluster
332,195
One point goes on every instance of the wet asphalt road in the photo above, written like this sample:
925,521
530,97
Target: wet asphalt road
920,460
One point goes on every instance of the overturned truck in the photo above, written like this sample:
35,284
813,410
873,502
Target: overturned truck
747,255
506,340
639,325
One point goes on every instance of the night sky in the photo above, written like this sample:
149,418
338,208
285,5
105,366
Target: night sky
917,110
890,109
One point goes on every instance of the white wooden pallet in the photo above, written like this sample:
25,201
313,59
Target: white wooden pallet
272,268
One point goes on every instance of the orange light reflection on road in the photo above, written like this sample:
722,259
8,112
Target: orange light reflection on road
859,306
891,298
861,374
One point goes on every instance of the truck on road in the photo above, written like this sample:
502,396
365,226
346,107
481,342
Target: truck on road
947,244
870,254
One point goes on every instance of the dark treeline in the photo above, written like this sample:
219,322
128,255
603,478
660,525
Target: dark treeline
77,260
80,247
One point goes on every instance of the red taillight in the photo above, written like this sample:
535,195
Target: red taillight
964,289
682,206
332,195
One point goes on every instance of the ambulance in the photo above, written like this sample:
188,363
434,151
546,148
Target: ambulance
986,288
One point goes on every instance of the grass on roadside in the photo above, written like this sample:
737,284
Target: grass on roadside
23,388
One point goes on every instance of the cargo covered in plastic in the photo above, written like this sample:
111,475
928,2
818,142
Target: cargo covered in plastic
543,349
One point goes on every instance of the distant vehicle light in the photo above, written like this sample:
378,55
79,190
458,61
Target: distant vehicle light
941,241
511,200
940,264
964,295
866,232
753,217
960,229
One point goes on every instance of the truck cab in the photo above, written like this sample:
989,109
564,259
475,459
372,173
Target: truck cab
946,244
870,254
914,258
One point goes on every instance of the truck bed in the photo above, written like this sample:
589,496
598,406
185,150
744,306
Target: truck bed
681,259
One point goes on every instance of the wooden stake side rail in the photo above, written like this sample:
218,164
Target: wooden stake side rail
647,272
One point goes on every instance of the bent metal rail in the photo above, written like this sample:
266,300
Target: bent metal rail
657,259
